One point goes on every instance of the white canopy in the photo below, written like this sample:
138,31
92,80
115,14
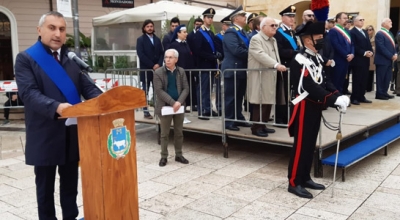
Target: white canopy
158,11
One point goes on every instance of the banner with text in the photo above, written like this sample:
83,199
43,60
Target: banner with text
118,3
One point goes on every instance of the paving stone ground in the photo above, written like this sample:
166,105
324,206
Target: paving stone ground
250,184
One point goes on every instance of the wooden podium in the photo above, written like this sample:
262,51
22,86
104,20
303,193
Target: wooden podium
106,131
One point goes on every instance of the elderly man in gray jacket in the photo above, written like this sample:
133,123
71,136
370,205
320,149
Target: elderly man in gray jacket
263,54
171,88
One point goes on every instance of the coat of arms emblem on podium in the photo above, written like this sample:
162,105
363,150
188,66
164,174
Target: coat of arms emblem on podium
119,139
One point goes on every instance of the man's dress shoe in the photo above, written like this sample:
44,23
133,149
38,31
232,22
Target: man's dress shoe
243,124
366,101
390,96
181,159
259,133
163,162
268,130
300,191
212,113
203,118
381,97
232,128
313,185
355,102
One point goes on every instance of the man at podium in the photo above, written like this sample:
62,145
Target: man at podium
48,82
171,88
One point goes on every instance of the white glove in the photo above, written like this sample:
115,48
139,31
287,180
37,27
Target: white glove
342,101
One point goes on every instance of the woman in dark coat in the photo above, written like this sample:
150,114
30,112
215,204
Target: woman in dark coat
186,61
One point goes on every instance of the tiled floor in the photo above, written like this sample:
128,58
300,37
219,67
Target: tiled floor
250,184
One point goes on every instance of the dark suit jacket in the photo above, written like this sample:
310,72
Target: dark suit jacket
361,45
252,34
203,52
167,40
48,140
149,54
286,52
340,46
192,43
384,50
235,53
299,27
327,51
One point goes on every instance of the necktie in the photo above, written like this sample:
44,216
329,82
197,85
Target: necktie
362,32
55,55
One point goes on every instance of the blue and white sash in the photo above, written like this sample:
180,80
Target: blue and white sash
55,71
208,38
289,38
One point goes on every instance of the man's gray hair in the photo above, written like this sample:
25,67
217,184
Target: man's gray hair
176,54
385,20
53,13
264,21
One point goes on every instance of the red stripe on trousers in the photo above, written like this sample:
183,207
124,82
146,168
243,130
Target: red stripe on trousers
293,115
299,143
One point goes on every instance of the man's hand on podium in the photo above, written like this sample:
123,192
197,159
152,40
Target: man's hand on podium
62,106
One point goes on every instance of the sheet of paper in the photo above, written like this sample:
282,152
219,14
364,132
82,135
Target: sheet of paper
71,121
168,110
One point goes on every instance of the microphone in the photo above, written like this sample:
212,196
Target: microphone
81,63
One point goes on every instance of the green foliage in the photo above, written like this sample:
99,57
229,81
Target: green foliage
165,29
212,28
246,28
190,25
84,42
121,62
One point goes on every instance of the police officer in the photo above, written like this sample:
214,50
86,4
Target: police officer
287,46
250,22
307,76
236,48
207,52
226,23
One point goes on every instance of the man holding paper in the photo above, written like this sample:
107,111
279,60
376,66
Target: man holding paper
171,88
48,82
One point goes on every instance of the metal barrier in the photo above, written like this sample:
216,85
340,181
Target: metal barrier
210,93
139,78
246,103
10,86
206,85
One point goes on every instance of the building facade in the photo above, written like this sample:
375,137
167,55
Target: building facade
372,10
19,19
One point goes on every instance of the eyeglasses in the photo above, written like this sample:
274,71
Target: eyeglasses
369,29
169,57
310,15
362,20
274,25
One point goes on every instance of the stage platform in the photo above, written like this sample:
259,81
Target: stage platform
358,119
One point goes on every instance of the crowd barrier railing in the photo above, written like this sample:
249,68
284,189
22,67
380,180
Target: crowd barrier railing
10,86
246,104
207,92
139,78
204,93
